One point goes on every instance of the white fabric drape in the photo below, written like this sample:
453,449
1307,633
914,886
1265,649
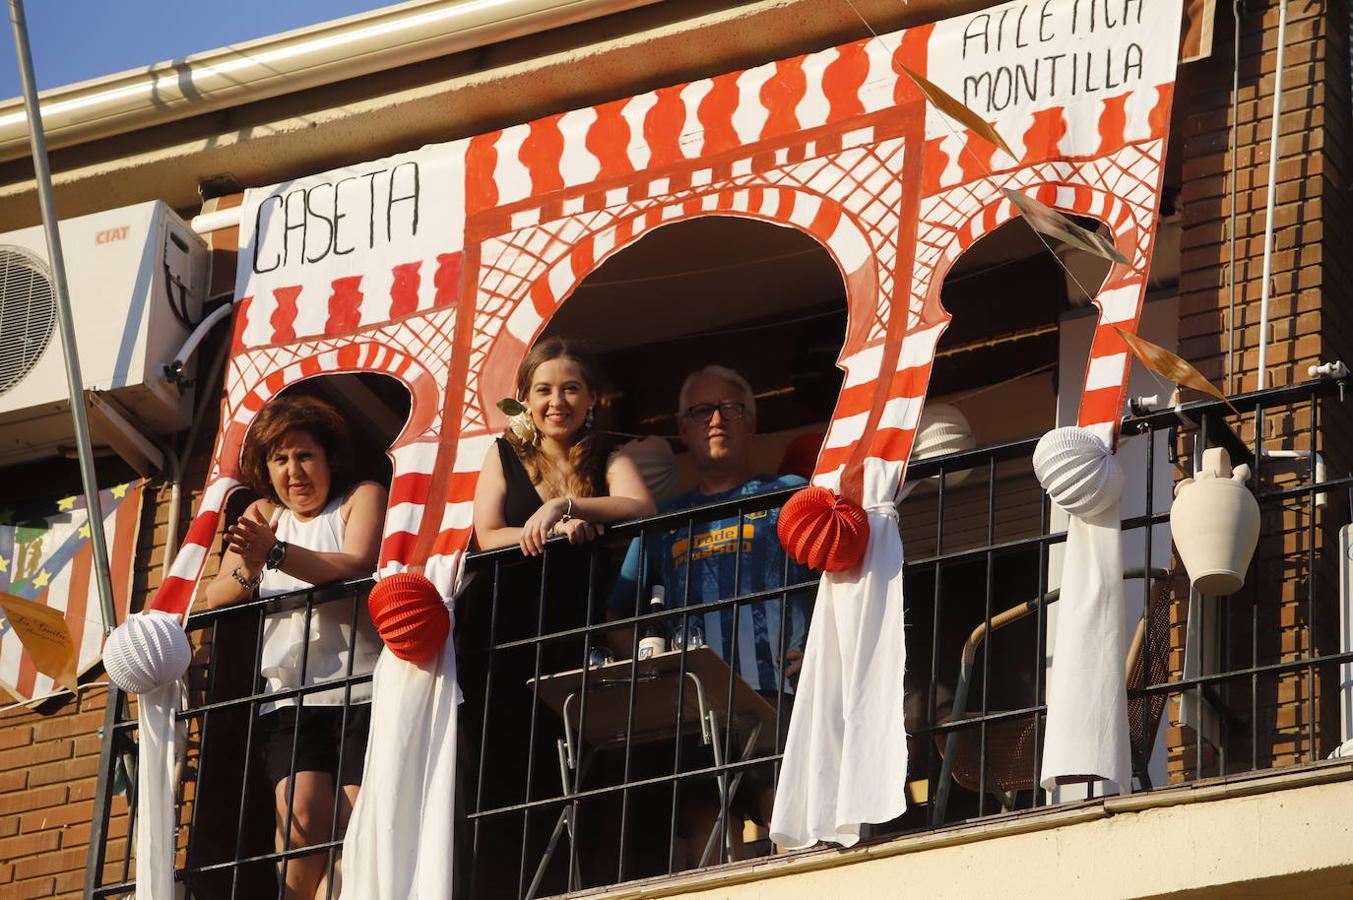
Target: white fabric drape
1190,709
848,706
399,841
1087,730
155,792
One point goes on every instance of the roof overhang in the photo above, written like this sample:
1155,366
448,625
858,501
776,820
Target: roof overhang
421,72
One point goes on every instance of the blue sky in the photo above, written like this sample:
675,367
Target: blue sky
75,40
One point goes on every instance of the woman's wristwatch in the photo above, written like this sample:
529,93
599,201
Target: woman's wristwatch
276,554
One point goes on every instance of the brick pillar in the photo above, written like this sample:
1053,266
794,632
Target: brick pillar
1277,617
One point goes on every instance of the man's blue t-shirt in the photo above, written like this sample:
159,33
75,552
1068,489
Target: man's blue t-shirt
715,558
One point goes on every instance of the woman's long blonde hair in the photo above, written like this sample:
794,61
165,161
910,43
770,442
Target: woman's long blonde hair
587,456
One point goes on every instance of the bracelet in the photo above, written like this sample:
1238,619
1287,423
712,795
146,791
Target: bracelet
246,583
568,511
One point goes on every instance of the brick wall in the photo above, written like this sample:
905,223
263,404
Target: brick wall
48,768
1288,610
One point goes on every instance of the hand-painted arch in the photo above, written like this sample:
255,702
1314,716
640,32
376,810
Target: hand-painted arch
1119,299
289,369
820,217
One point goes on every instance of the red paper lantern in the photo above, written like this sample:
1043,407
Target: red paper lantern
409,613
824,531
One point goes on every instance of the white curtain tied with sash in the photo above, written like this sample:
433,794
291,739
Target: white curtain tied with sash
1087,729
845,758
147,655
400,840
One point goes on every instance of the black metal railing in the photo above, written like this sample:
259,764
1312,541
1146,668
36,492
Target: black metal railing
614,785
227,846
579,768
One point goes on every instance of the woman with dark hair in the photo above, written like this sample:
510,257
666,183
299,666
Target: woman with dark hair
553,472
309,527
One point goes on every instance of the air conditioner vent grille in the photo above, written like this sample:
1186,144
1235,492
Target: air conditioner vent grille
27,314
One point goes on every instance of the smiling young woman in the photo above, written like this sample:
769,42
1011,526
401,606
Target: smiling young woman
309,527
553,473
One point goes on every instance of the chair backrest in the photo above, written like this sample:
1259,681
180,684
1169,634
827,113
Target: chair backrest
1010,748
1148,664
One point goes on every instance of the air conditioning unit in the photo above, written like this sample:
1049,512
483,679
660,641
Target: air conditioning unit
137,277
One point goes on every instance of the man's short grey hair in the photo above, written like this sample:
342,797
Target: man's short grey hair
723,373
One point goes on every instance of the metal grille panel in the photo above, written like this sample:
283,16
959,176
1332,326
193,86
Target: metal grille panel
27,314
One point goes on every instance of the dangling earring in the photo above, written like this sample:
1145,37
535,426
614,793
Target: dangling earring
591,417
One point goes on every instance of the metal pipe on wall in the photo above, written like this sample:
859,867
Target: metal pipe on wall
206,399
1272,198
74,380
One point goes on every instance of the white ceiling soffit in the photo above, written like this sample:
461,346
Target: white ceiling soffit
288,62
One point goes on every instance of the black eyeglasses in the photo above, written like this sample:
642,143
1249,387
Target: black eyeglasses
704,412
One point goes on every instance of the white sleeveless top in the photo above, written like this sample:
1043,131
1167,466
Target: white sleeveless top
331,640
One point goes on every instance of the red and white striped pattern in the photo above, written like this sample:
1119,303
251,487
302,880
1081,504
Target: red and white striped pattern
346,305
836,144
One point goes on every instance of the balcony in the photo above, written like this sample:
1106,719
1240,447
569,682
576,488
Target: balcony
1233,700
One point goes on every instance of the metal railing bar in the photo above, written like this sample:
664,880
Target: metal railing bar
645,618
209,689
561,800
315,596
334,684
1269,398
541,600
624,532
108,758
988,590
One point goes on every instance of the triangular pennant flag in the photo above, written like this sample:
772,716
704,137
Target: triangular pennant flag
946,104
45,635
1166,364
1050,222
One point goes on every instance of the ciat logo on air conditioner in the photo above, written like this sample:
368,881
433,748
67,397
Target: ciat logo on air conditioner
108,235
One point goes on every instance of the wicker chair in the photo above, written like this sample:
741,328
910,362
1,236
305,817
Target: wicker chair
1011,744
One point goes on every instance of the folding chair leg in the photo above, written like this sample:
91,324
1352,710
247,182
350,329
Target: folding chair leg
565,822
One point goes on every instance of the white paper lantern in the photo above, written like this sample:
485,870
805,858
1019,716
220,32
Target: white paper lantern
943,429
1077,470
146,652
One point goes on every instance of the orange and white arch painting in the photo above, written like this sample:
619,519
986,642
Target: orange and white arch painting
440,267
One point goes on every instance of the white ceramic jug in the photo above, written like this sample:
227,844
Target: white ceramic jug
1215,523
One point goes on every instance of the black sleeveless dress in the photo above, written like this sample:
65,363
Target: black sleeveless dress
522,499
565,579
518,602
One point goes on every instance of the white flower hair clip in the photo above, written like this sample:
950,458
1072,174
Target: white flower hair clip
519,420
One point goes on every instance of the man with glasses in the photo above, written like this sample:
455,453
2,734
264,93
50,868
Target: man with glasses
729,557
